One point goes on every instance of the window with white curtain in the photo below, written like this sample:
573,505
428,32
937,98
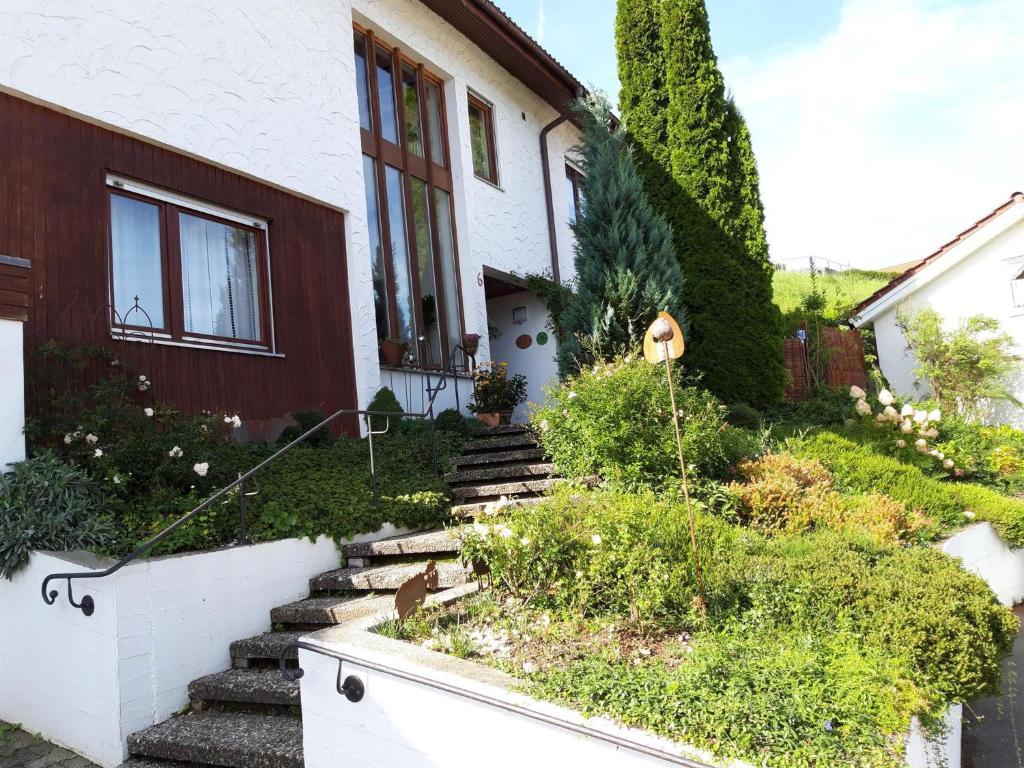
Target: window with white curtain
187,270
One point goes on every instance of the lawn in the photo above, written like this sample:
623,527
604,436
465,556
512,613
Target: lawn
841,291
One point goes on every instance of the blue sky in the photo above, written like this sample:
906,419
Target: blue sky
882,127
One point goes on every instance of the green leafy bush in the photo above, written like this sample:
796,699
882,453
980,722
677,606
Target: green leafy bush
914,602
47,504
743,415
384,402
780,697
450,420
858,469
305,421
784,494
601,552
614,420
1006,513
824,408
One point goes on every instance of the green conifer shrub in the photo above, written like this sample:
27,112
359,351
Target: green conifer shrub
694,154
626,270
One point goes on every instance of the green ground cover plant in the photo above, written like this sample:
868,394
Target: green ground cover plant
817,649
840,292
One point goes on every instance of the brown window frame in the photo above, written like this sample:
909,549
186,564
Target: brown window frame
487,110
173,326
434,172
576,179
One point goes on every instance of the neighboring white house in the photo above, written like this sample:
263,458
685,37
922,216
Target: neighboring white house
436,128
979,272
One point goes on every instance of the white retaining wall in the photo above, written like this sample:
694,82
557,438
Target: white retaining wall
12,393
982,552
88,682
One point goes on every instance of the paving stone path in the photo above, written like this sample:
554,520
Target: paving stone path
22,750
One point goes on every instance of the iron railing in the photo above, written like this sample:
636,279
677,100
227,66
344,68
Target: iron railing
87,605
352,688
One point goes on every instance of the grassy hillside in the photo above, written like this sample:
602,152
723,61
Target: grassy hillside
841,291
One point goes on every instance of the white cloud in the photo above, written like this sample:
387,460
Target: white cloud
882,140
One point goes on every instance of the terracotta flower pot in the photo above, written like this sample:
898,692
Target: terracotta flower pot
393,353
489,419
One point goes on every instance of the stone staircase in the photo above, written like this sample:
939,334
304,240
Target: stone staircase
249,716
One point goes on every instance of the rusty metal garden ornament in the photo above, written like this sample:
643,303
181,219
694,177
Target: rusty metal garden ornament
664,342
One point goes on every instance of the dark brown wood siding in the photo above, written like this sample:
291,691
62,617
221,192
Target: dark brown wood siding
53,211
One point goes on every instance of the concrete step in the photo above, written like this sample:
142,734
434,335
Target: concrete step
265,646
481,509
499,458
439,542
386,578
331,610
495,490
246,686
500,443
501,429
232,739
502,472
152,762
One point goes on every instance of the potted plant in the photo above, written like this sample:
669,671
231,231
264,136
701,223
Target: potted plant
496,394
393,351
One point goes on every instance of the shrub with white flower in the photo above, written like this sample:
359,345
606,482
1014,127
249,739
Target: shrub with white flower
148,412
201,468
176,452
91,439
908,420
98,453
144,383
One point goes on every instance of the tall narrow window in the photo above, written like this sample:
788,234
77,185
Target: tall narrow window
574,192
408,202
481,135
386,96
199,273
411,103
136,245
380,285
362,83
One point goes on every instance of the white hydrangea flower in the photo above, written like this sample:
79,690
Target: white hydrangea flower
862,407
202,468
98,452
907,426
148,412
908,410
932,433
891,413
947,463
505,532
544,425
968,514
921,444
227,419
235,421
596,538
920,417
571,394
885,397
856,393
481,529
175,452
901,443
91,439
935,415
68,438
116,479
940,455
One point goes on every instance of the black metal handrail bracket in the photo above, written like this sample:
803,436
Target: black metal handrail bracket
87,605
353,689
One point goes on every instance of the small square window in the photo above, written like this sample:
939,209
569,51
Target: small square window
481,134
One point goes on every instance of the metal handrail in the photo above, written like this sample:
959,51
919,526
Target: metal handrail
87,605
352,688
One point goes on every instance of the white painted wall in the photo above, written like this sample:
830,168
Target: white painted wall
537,362
267,88
88,682
971,279
982,552
12,393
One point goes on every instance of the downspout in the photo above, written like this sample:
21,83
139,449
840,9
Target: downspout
556,273
546,171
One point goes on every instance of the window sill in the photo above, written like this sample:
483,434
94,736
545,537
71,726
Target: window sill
488,182
193,345
425,371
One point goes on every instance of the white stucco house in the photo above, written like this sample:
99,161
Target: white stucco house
371,169
978,272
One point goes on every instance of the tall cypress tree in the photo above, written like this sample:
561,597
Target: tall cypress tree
695,156
626,269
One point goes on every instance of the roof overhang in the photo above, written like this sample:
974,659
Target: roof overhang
968,243
506,42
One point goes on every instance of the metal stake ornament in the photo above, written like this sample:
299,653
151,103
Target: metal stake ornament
664,342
